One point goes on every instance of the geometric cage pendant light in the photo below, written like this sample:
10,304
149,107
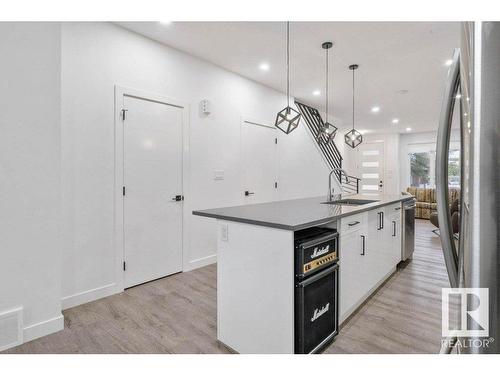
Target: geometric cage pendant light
353,138
288,118
327,130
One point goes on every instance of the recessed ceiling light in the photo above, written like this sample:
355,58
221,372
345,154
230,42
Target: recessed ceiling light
408,129
448,62
458,96
264,66
316,93
395,120
165,22
376,109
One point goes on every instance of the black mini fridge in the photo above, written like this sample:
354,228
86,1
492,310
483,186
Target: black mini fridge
316,311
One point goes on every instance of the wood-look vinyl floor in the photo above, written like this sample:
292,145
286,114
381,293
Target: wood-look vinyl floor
177,314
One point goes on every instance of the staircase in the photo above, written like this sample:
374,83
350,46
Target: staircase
314,122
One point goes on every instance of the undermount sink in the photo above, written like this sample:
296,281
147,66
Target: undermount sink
351,202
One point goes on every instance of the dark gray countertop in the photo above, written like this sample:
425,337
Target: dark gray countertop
297,214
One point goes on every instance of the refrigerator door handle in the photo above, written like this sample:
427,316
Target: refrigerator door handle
442,150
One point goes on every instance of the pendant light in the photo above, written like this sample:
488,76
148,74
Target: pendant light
353,138
288,118
327,131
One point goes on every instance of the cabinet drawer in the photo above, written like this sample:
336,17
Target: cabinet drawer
394,207
351,223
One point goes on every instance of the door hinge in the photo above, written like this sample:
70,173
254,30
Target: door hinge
124,111
275,185
123,191
124,266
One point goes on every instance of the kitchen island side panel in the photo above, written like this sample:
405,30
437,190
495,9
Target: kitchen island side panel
255,288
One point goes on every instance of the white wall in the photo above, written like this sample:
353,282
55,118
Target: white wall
30,247
97,56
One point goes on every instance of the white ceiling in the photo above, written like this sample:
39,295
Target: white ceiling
392,56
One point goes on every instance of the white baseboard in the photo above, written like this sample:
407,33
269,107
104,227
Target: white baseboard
44,328
201,262
88,296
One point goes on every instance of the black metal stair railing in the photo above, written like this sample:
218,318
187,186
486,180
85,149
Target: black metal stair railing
351,185
314,123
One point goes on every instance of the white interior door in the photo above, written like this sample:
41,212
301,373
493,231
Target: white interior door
371,167
152,178
259,156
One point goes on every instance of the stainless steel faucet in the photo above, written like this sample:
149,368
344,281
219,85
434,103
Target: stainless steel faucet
330,189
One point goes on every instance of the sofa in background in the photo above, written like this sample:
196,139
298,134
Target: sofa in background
426,200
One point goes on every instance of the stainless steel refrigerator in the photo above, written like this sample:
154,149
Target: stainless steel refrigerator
473,89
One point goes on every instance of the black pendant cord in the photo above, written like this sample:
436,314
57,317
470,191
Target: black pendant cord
353,99
288,63
326,89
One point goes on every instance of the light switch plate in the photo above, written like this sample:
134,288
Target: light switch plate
224,232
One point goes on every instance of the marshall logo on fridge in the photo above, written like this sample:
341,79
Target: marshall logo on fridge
319,312
318,251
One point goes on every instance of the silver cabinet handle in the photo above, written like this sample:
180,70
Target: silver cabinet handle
353,223
394,228
442,149
363,243
247,193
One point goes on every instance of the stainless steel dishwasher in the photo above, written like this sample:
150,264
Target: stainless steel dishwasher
408,237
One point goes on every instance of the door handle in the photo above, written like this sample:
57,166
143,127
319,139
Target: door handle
363,243
394,228
442,149
247,193
178,198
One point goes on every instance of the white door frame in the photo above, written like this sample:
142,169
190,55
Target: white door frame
120,92
246,120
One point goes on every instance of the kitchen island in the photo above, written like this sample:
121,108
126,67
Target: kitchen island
256,271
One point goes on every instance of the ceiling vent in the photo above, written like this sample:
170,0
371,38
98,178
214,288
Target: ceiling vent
11,328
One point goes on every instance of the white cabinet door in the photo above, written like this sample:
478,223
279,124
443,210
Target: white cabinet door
376,247
353,269
393,235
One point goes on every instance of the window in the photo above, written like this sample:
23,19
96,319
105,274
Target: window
422,162
420,169
454,168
